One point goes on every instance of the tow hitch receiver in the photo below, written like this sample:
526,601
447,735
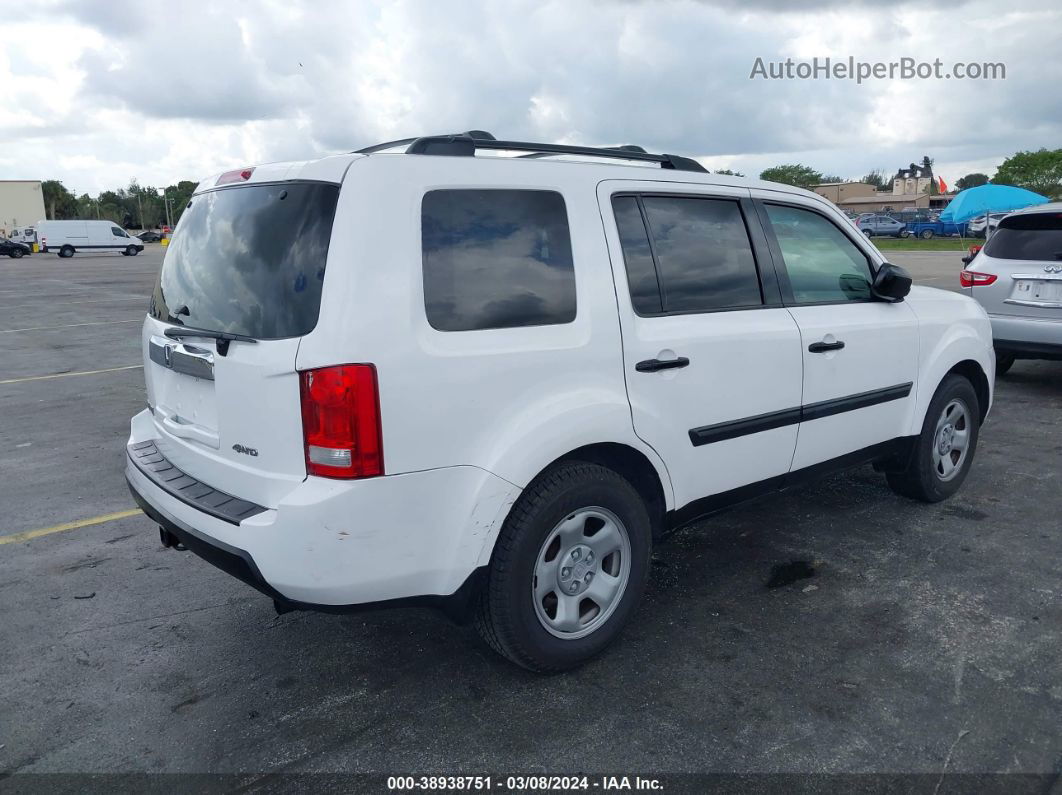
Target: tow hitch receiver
170,541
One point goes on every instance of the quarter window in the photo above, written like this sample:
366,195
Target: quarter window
496,259
823,264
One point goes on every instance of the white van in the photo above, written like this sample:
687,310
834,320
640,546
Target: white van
67,237
24,234
424,374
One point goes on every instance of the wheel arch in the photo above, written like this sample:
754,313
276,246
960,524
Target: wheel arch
635,467
973,372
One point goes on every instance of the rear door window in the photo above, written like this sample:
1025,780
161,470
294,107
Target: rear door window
249,260
703,255
1032,236
496,259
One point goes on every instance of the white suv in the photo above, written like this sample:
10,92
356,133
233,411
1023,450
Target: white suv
490,383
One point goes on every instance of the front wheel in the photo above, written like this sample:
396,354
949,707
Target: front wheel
568,569
131,251
945,448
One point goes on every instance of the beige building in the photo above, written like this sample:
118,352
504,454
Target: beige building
21,204
839,191
913,179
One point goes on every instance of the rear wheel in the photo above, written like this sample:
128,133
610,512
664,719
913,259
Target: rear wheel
568,569
945,448
1004,361
66,251
926,234
17,253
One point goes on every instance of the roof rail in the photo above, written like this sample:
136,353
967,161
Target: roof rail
368,150
466,144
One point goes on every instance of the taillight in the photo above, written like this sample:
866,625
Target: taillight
973,278
341,421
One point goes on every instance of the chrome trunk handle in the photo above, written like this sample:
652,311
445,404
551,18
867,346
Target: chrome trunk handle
182,358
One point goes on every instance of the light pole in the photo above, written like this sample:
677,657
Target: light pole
166,203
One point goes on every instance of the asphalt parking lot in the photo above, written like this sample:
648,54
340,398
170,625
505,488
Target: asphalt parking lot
929,638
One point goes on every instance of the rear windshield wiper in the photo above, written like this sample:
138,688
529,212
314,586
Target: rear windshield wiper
223,337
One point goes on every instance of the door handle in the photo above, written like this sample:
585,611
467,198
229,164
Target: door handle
822,347
654,365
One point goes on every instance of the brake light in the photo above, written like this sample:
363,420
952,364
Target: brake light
239,175
341,421
973,278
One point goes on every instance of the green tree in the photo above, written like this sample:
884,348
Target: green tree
59,203
971,181
792,174
728,172
1039,171
831,178
179,195
879,179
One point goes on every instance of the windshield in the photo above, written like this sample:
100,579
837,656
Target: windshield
249,260
1033,236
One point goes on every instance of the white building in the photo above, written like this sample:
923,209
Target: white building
21,204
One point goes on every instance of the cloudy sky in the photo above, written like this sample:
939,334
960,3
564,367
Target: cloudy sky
99,92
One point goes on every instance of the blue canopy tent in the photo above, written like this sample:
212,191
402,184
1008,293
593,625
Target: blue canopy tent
988,198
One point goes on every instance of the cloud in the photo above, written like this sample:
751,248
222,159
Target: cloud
168,92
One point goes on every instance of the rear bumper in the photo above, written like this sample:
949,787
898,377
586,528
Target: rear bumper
239,564
1031,338
343,545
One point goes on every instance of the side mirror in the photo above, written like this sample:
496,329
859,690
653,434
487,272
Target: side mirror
891,283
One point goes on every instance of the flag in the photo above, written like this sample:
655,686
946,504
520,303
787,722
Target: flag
943,187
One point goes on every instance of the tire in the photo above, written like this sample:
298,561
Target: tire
905,233
868,233
927,477
1004,361
547,526
66,251
17,253
131,251
926,234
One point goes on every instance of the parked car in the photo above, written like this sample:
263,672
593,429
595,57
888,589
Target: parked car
976,226
930,229
1017,277
67,237
880,225
149,237
416,375
13,249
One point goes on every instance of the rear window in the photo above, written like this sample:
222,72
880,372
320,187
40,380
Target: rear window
249,260
1035,236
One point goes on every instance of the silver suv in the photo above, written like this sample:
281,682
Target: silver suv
1017,278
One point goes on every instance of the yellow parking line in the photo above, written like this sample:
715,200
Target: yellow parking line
59,528
64,375
71,325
